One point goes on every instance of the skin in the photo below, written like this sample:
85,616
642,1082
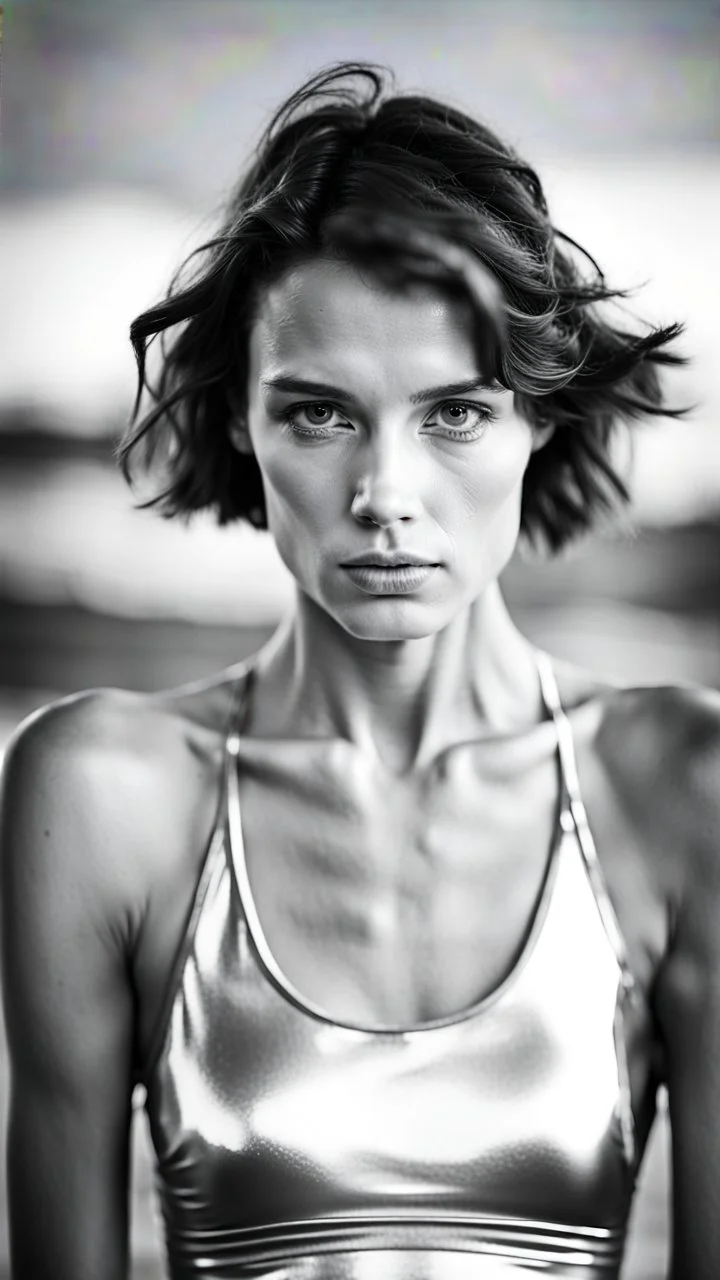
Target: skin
375,706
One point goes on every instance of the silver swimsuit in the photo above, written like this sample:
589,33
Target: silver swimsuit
489,1145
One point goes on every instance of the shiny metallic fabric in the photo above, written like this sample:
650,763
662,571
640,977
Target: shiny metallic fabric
486,1146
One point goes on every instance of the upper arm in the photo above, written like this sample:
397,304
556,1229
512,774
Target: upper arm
688,1000
68,1005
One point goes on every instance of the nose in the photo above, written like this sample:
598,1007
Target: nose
387,488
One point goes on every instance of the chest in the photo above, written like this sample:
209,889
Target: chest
392,908
392,901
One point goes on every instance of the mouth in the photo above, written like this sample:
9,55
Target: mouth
391,560
382,579
401,564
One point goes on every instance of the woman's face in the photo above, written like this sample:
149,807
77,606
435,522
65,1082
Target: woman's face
376,440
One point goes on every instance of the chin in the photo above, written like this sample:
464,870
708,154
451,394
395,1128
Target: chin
391,619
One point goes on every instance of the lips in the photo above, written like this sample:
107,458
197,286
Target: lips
389,580
389,560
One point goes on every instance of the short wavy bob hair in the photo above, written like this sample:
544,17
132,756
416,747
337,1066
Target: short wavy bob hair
415,190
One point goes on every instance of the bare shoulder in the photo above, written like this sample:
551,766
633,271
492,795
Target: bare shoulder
662,746
656,751
101,778
658,720
672,750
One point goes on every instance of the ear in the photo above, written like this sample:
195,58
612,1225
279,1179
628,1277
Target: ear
240,436
238,429
541,435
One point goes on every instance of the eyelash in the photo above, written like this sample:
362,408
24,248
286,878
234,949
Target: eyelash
320,432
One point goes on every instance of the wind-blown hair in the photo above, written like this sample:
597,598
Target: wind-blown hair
415,190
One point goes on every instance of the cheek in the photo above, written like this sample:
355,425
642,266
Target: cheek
299,499
496,480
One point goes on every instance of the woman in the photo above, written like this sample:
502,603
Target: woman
400,923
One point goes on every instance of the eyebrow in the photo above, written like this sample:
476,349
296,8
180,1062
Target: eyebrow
304,387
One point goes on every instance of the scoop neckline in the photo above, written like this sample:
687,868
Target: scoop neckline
274,972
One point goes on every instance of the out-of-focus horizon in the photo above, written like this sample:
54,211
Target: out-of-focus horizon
125,124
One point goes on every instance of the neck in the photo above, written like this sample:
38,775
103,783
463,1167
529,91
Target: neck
403,702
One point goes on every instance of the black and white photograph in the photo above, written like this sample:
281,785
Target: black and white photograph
359,772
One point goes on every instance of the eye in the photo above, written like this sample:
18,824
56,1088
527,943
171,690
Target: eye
462,420
310,419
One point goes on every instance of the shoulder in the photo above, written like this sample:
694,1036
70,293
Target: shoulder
103,781
75,742
66,733
79,736
649,759
678,737
658,752
659,720
644,728
661,746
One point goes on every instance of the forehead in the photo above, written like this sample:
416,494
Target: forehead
327,311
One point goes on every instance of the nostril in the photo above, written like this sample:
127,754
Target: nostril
380,506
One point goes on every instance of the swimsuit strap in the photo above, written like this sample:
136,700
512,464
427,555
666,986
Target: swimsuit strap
573,815
578,814
215,850
574,818
239,708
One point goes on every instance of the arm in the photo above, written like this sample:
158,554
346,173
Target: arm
68,1002
688,1000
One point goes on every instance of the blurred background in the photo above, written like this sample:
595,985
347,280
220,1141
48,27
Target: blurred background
123,126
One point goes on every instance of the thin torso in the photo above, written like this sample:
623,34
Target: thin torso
389,899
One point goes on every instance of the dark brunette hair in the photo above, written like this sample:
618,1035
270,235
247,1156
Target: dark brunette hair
414,189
